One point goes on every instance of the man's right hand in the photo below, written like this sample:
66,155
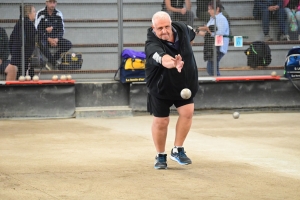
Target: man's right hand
53,41
49,29
273,8
0,61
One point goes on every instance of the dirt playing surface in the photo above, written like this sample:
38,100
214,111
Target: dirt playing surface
254,157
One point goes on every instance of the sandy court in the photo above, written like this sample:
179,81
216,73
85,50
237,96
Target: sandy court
254,157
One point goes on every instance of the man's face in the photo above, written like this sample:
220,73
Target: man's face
163,29
51,5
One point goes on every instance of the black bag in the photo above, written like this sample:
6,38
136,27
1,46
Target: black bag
258,54
37,59
70,61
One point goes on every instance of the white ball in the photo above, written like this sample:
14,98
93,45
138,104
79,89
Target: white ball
54,78
22,78
185,93
35,78
27,78
273,73
63,77
236,115
69,77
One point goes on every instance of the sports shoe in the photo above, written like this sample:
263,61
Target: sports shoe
285,38
178,155
160,161
267,38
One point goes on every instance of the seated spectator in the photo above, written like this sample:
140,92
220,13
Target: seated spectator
15,42
9,70
208,32
267,10
50,26
292,9
178,11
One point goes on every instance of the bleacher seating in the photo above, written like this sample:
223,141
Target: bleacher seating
92,26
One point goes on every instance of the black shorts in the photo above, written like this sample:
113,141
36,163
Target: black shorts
161,107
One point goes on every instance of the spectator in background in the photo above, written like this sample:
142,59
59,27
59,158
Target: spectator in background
15,41
292,8
208,32
179,10
50,26
271,9
9,70
201,10
202,13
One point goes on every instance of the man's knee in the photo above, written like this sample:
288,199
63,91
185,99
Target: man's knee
11,69
66,44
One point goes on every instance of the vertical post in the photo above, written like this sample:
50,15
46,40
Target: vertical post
120,30
23,39
215,48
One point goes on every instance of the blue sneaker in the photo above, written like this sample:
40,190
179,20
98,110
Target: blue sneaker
178,155
161,161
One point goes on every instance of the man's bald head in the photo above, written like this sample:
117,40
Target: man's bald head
159,16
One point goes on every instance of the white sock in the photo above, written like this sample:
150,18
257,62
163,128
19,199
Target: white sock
161,153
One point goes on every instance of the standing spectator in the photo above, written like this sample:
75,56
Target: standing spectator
179,10
202,13
9,70
170,67
271,9
50,26
208,33
15,42
292,9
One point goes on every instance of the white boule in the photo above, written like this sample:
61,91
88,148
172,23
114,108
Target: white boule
22,78
27,78
185,93
236,115
63,77
54,78
273,73
35,78
69,77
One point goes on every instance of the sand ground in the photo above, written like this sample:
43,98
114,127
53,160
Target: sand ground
254,157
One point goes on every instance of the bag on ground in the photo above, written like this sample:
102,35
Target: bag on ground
37,60
258,54
132,68
70,61
292,63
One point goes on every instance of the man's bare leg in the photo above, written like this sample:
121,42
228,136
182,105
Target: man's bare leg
11,72
183,126
184,123
159,132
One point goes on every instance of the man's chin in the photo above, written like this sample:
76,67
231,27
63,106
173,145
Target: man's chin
165,37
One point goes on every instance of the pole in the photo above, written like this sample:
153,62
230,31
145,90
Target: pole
23,40
120,30
215,48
